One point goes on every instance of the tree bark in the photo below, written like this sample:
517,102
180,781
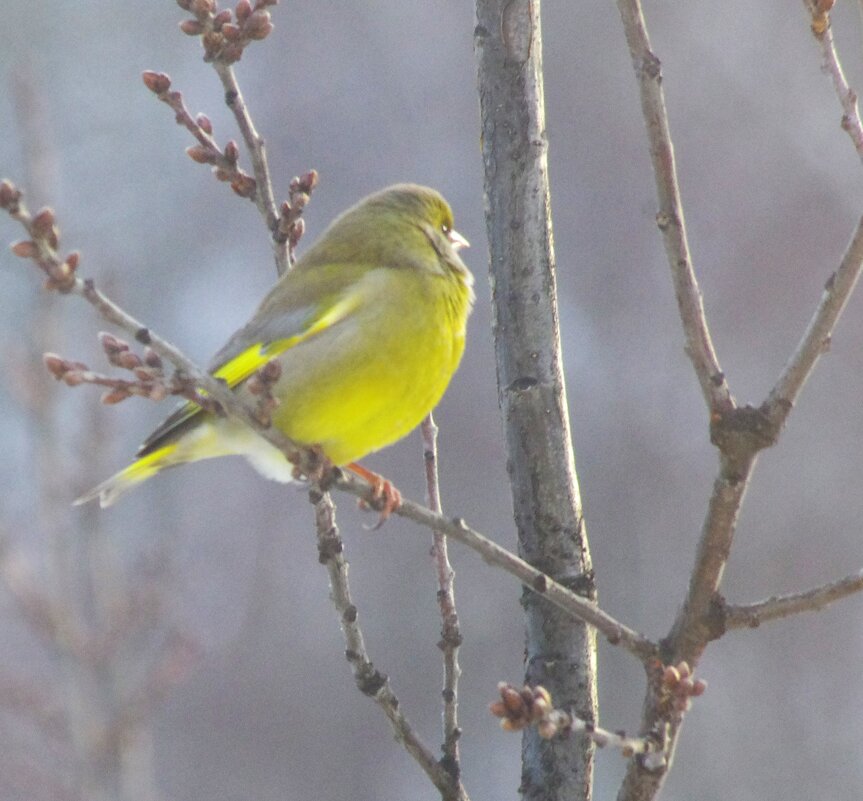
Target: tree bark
560,652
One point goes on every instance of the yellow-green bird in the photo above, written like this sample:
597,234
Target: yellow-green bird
368,328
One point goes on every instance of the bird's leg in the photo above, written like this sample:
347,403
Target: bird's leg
385,497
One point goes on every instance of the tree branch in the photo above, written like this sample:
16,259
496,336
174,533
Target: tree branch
371,681
669,218
816,337
532,395
450,633
751,616
820,12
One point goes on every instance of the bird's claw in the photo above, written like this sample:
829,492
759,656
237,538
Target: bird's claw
385,497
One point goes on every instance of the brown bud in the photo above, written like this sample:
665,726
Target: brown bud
512,699
297,231
546,729
244,185
497,708
671,676
72,260
201,154
72,378
271,371
540,694
56,365
43,226
112,345
231,53
114,396
309,181
699,687
157,82
201,7
152,359
231,33
191,27
258,26
232,152
243,10
186,5
204,123
539,709
212,41
158,392
43,222
222,175
129,360
222,18
25,250
254,385
9,195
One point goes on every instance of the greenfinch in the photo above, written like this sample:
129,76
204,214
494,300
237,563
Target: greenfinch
367,328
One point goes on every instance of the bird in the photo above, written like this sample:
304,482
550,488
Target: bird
367,328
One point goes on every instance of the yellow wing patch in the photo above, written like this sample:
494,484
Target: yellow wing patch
240,367
256,356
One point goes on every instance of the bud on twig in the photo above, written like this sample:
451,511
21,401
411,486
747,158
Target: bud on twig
204,124
25,250
156,82
191,27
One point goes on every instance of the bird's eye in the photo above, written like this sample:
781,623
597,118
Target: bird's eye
445,228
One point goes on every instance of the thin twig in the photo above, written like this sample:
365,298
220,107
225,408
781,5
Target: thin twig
264,197
816,337
779,606
525,707
669,218
371,681
820,12
450,632
537,581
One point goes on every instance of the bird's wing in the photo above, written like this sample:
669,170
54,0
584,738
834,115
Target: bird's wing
251,348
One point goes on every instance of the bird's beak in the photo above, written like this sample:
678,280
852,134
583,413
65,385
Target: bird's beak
457,240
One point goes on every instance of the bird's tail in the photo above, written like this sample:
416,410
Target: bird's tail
140,470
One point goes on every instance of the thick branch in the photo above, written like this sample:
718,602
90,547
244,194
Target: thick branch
547,507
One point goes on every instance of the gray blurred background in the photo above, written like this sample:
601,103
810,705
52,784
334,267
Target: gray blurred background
369,93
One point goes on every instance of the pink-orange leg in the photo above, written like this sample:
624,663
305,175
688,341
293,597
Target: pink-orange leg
385,495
